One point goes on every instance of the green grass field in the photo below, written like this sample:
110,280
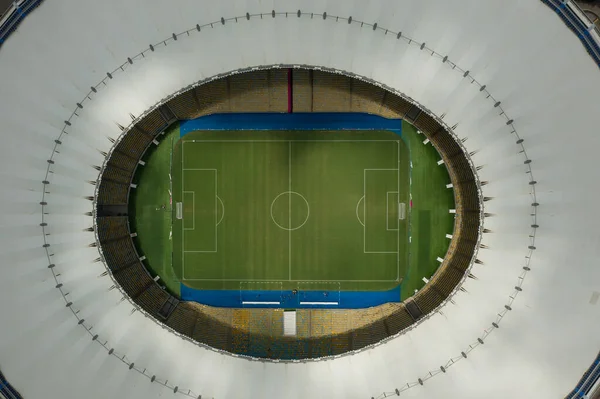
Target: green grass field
288,208
301,209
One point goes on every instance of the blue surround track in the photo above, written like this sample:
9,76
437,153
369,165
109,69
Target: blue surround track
288,300
277,298
295,121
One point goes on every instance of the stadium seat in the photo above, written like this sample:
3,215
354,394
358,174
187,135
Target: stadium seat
259,332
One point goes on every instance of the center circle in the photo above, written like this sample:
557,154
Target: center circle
290,210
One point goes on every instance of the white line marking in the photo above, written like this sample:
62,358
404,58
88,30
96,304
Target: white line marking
398,234
364,209
289,141
290,212
320,303
260,303
357,205
365,215
387,209
223,208
299,281
193,210
216,212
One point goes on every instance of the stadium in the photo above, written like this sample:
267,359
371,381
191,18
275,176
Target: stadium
297,199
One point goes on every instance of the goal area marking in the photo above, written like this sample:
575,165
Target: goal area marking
387,209
193,210
364,221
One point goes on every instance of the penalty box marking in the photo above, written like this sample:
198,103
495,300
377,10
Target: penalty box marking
183,229
365,213
194,211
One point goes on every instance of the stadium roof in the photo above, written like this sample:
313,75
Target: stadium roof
527,58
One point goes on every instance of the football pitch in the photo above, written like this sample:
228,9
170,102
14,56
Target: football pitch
307,210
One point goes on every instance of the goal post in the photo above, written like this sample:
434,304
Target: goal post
401,210
179,210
